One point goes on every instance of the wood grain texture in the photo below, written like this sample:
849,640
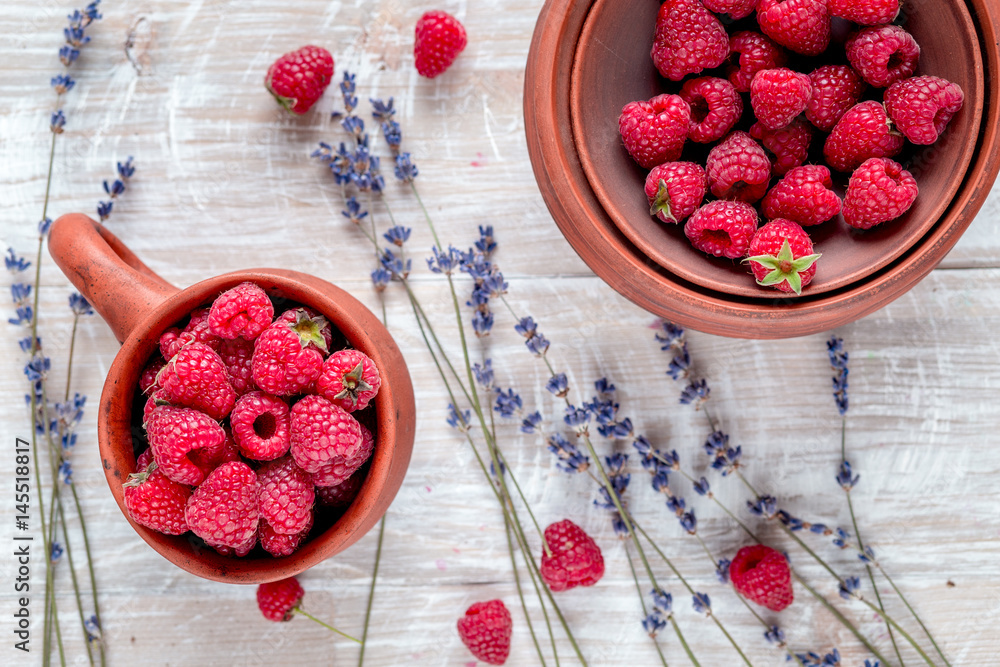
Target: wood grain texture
224,182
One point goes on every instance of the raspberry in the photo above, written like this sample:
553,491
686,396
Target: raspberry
738,169
438,40
688,39
144,460
761,575
781,256
297,79
243,311
237,552
879,190
485,630
338,469
865,131
349,379
174,433
883,55
800,25
675,190
805,195
236,355
751,52
789,146
196,378
147,381
324,434
836,88
278,599
722,228
155,501
311,325
737,9
196,331
865,12
340,495
654,132
223,510
286,496
279,545
210,458
715,108
778,96
923,106
283,364
261,426
574,559
155,399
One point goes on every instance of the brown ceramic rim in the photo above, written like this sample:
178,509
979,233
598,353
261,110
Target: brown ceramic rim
658,241
619,263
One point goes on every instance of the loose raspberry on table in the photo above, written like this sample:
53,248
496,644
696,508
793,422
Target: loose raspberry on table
261,426
675,190
752,52
155,501
323,434
688,39
485,630
243,311
738,169
311,326
654,132
147,381
196,378
836,88
349,379
781,256
195,331
286,496
778,96
715,108
279,545
737,9
224,509
722,228
800,25
805,195
883,55
761,575
278,599
237,355
864,132
340,468
865,12
573,558
439,38
880,190
788,147
174,433
922,106
297,79
283,362
343,494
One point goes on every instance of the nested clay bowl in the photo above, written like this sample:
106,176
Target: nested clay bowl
138,305
589,58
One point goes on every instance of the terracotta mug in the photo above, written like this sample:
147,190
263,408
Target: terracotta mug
138,305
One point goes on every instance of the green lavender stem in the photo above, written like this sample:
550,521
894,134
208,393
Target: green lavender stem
299,610
642,602
371,591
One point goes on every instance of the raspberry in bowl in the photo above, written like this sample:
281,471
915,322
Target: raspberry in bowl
218,415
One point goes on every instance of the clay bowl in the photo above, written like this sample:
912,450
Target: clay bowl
588,59
138,305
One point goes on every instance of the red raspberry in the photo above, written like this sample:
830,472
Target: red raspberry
261,426
279,599
751,52
574,559
223,510
485,630
789,146
654,132
675,190
715,108
781,255
196,378
144,460
738,169
311,325
879,190
286,496
778,96
865,131
722,228
210,458
237,355
761,575
923,106
147,381
238,552
155,501
155,399
688,39
349,379
279,545
243,311
283,364
883,55
174,433
737,9
439,40
800,25
340,495
836,88
865,12
324,434
297,79
196,331
340,468
805,195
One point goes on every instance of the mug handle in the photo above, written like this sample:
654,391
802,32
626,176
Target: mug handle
120,287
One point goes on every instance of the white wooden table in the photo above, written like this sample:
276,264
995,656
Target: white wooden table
224,182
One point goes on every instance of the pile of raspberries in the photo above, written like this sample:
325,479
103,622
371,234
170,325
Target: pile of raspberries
251,421
867,109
